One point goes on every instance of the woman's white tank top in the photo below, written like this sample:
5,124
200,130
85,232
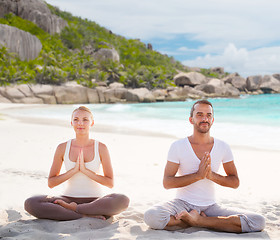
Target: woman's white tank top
81,185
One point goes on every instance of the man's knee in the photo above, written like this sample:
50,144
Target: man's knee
260,223
252,223
155,219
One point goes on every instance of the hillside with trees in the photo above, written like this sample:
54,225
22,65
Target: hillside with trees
70,55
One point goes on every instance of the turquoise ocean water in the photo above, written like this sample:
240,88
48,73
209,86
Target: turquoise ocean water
252,121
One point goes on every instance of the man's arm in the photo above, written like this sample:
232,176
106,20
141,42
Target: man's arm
230,180
170,181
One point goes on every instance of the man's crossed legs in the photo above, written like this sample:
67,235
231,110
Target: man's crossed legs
178,213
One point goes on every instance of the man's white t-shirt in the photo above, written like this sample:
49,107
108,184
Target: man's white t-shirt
202,192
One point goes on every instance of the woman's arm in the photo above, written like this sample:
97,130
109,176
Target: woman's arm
106,180
54,177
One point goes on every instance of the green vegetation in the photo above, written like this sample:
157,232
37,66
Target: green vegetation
68,56
208,73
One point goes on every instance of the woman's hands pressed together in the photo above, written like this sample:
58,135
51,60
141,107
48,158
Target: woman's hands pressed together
80,163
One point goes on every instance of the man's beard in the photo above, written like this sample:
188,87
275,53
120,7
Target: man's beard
202,130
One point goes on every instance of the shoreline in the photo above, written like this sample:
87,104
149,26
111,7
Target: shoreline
101,128
138,161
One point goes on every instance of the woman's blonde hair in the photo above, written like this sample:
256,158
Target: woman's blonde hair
83,108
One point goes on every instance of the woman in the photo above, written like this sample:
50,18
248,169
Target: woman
82,157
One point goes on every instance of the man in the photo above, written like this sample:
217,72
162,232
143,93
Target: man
196,159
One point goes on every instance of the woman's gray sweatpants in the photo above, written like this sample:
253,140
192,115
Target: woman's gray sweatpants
158,216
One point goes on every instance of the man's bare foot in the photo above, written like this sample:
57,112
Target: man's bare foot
191,218
203,214
71,206
175,224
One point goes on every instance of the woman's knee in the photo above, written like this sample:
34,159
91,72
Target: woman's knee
120,200
32,205
124,200
29,203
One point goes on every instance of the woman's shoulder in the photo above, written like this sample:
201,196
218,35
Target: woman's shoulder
101,146
61,147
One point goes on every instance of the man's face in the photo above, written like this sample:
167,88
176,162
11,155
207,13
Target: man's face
202,118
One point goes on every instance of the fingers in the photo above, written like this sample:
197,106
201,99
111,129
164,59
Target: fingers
82,161
81,155
207,157
205,165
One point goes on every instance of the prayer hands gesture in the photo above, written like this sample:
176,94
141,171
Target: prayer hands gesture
204,170
80,163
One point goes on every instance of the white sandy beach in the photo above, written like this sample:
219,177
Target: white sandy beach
27,148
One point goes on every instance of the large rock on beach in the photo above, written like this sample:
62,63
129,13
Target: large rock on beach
191,79
139,95
176,94
237,81
4,100
19,94
270,84
25,89
254,82
113,95
12,93
31,100
217,88
92,95
23,43
47,99
231,91
277,76
71,94
116,85
216,82
182,93
210,89
100,92
40,89
35,11
159,94
44,92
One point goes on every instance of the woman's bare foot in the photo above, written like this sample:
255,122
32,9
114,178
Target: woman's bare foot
71,206
96,216
191,218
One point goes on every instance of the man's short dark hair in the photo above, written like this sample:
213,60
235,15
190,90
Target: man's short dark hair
200,102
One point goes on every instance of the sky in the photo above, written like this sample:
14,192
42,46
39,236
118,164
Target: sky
240,35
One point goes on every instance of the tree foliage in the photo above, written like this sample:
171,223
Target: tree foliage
65,57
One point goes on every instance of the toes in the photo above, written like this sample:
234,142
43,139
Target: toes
179,216
203,214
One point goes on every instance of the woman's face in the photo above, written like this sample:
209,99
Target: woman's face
82,121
